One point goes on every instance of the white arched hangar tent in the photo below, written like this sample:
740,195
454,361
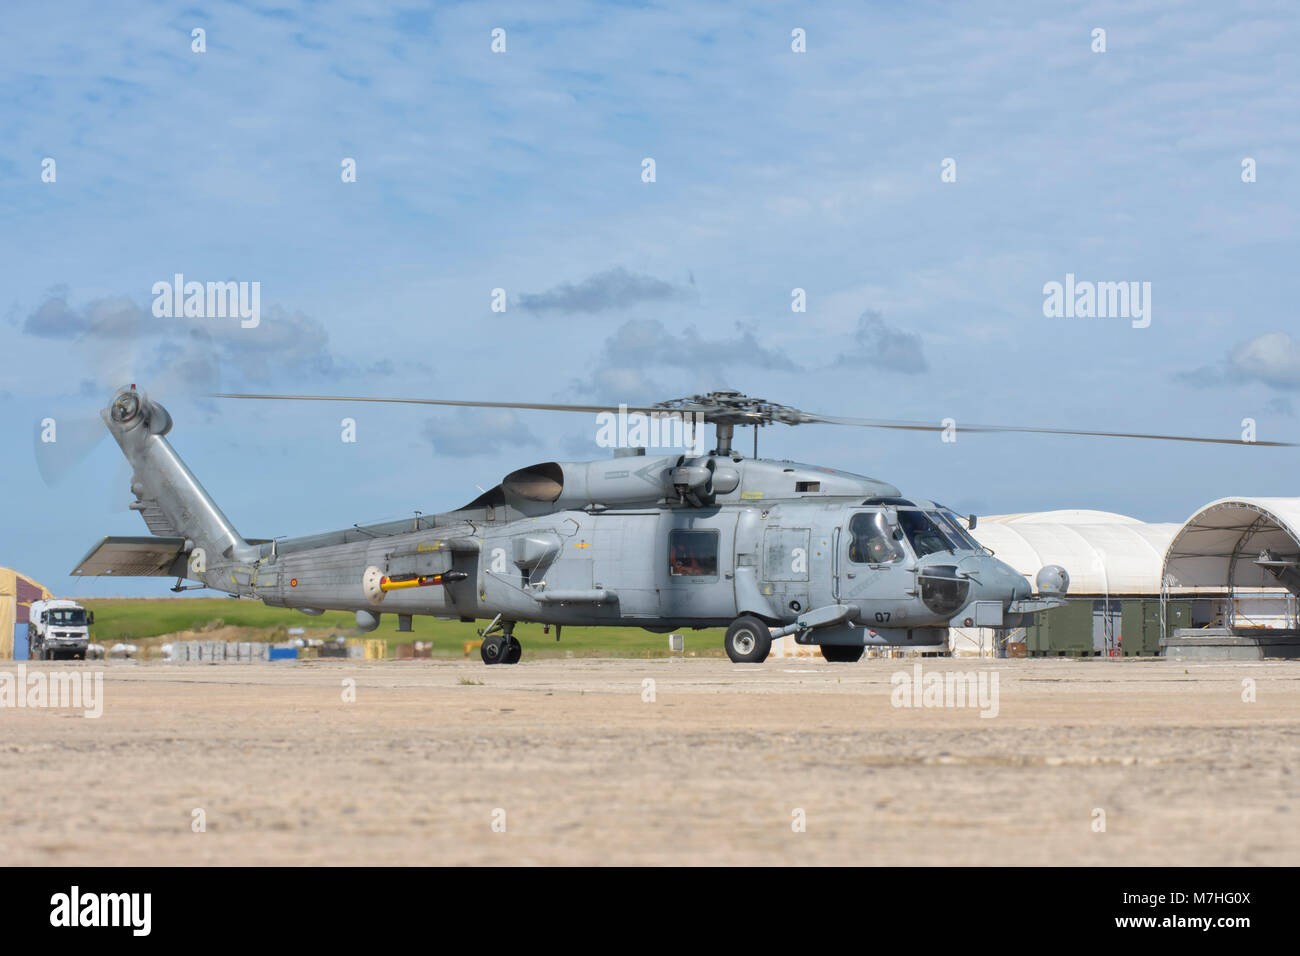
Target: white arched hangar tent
1132,582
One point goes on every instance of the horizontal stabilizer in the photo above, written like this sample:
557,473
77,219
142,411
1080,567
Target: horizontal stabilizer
147,557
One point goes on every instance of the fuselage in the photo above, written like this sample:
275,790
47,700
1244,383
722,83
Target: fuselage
900,564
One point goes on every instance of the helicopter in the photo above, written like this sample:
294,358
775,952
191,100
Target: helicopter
763,548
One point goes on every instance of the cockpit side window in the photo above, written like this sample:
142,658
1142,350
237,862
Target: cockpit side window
871,539
925,535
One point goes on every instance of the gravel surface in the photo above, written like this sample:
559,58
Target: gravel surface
719,767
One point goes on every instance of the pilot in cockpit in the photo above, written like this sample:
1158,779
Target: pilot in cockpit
872,541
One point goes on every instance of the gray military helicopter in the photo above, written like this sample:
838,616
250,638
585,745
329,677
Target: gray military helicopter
764,548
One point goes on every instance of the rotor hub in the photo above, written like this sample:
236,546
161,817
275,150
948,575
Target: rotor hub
734,408
126,407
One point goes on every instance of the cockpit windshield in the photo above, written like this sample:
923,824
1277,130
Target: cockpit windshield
957,531
925,533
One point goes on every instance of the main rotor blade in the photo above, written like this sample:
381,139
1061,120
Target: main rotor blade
540,406
765,413
1029,429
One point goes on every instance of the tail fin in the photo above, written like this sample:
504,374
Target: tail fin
168,496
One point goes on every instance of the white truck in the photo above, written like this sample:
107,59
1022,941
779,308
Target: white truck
58,628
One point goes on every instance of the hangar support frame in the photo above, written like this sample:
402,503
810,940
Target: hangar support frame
1256,519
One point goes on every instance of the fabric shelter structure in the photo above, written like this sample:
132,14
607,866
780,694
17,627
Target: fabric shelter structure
17,592
1242,548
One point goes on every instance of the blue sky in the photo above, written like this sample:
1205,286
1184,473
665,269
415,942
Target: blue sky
522,171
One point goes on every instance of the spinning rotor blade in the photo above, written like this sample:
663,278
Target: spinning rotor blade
67,434
928,427
435,401
62,441
733,408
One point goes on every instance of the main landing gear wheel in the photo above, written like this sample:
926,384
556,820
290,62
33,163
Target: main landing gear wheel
493,649
840,654
748,640
500,649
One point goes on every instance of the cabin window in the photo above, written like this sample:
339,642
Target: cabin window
804,486
692,553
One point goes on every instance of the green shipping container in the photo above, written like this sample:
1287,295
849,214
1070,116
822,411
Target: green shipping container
1068,631
1062,631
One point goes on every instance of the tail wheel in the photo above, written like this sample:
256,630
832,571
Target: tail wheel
840,654
748,640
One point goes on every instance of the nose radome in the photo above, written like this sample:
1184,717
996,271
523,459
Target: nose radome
1016,585
994,580
1019,584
